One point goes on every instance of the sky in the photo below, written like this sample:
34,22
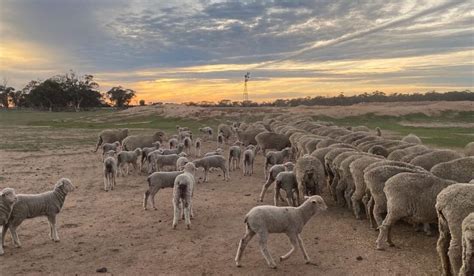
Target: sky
183,50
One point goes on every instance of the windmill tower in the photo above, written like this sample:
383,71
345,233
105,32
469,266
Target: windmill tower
246,93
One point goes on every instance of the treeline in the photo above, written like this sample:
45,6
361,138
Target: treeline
341,99
64,92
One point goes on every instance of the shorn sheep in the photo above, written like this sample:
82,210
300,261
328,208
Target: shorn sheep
287,182
453,204
467,267
272,174
197,147
124,158
215,161
275,157
249,158
187,143
111,136
183,194
115,146
234,157
110,171
140,141
7,200
263,220
47,204
157,181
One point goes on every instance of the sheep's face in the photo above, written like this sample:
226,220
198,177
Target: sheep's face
110,153
64,184
190,168
9,195
318,203
289,166
182,154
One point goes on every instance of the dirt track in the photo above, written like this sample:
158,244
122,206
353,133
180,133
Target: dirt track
99,229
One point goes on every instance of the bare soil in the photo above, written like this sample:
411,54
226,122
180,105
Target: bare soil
111,229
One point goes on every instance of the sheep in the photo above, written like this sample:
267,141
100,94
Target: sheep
124,158
220,140
249,158
411,138
467,226
181,162
271,140
361,128
187,143
180,129
287,181
378,150
140,141
111,136
272,174
115,146
225,130
218,151
411,196
173,143
430,159
197,147
248,137
183,190
275,157
176,150
215,161
398,154
234,157
8,199
310,175
110,171
157,181
161,161
183,134
148,150
412,155
47,204
460,170
263,220
469,149
207,131
453,204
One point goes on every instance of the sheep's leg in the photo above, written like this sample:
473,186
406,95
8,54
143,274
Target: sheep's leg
347,197
114,174
1,244
454,254
98,144
181,207
106,183
467,267
264,249
206,172
16,240
264,189
294,243
54,231
443,244
276,195
384,230
176,212
145,199
377,212
370,213
334,184
305,254
242,244
187,219
4,232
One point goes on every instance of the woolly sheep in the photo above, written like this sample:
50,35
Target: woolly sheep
397,155
248,159
157,181
140,141
361,128
412,155
460,170
110,136
467,267
272,174
378,150
225,130
169,160
183,190
275,157
207,131
110,172
176,150
430,159
469,149
271,140
124,158
453,204
248,137
47,204
218,151
183,134
287,181
263,220
173,143
411,138
115,146
326,143
234,157
310,175
7,199
197,147
182,160
220,140
215,161
148,150
187,143
411,196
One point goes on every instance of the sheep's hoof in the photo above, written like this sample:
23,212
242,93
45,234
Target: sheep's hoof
188,227
174,226
391,244
273,266
237,264
380,247
309,262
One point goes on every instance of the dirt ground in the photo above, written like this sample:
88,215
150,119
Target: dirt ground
99,229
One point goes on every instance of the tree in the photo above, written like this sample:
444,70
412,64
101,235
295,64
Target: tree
48,94
80,91
5,93
120,96
142,102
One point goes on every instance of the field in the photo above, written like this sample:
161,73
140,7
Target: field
112,230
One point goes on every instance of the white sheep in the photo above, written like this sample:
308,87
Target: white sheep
263,220
161,161
124,158
110,136
147,150
220,140
47,204
234,157
218,151
207,131
187,143
275,157
7,200
110,171
182,160
287,181
183,190
215,161
249,158
157,181
467,267
115,146
197,147
173,143
272,174
176,150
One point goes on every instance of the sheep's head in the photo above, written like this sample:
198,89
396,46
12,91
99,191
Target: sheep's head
182,154
125,132
138,151
159,136
65,185
289,166
156,144
180,146
110,153
317,202
219,151
9,195
190,168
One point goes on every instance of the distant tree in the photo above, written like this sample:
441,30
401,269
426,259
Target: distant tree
142,102
120,96
5,93
225,103
80,91
48,94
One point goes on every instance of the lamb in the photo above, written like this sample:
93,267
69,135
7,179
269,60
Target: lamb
157,181
140,141
263,220
173,143
111,136
275,157
8,199
183,134
181,162
148,150
453,204
249,158
271,140
176,150
411,138
110,171
469,149
183,190
410,196
169,160
180,129
124,158
47,204
430,159
197,147
215,161
207,131
460,170
218,151
310,175
234,158
272,174
287,181
225,130
220,140
467,267
187,143
115,146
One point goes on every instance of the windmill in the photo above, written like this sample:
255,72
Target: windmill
246,93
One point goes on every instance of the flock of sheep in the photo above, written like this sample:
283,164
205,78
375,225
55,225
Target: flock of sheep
388,180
